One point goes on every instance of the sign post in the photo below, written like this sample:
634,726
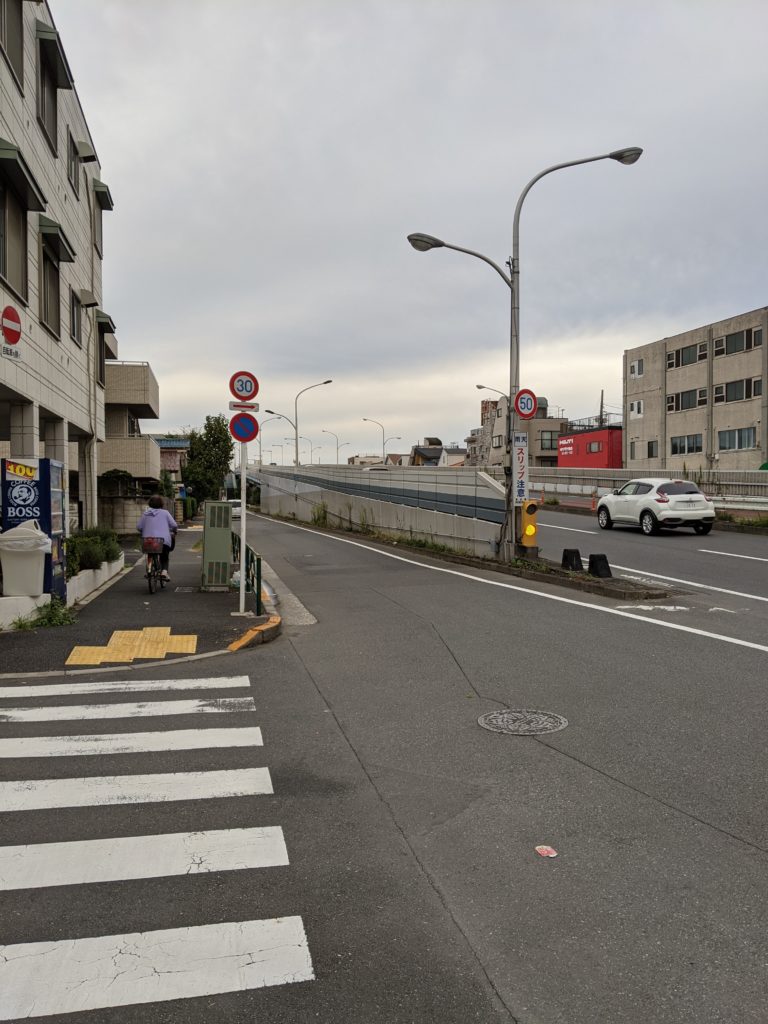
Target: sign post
244,428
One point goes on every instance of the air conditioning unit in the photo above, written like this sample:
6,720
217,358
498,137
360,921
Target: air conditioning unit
217,546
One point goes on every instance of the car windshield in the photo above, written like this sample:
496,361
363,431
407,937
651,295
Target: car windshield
679,487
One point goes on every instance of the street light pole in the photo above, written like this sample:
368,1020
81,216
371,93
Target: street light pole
296,412
261,427
282,455
303,437
324,431
423,243
387,441
366,419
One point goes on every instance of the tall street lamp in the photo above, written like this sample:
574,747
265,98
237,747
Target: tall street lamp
295,421
484,387
261,427
324,431
423,243
282,456
387,442
383,442
312,447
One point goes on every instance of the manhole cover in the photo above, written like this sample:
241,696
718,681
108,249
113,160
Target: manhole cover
522,723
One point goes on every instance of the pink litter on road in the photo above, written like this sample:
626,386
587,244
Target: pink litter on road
546,851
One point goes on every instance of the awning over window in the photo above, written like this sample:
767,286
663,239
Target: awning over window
86,154
51,46
55,237
103,195
105,322
14,167
106,327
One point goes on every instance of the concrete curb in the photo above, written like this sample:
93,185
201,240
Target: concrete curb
261,634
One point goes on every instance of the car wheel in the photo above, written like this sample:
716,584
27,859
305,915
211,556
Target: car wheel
648,523
702,528
604,520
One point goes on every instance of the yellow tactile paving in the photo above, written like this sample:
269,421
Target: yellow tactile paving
128,644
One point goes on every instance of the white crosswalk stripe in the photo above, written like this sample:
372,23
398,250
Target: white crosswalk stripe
158,964
100,790
136,709
129,742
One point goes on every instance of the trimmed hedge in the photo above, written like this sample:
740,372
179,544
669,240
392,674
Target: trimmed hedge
87,549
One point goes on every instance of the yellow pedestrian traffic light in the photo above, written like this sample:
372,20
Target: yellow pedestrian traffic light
528,528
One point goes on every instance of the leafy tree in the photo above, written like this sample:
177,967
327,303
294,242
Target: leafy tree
210,455
166,484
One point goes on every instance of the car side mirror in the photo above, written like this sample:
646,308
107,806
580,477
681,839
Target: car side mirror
615,490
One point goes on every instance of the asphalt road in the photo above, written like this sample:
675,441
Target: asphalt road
412,883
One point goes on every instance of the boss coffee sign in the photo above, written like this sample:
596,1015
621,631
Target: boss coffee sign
21,490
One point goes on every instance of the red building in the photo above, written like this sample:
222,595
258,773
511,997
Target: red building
599,448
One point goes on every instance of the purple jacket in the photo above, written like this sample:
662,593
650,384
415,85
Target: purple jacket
156,522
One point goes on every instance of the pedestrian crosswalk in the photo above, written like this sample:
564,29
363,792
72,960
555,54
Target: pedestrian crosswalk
74,970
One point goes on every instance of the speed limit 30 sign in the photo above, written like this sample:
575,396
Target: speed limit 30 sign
526,404
244,385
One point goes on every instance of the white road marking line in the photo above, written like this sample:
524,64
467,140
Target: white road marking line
137,709
568,529
656,607
129,742
690,583
584,605
39,794
39,979
727,554
153,856
122,686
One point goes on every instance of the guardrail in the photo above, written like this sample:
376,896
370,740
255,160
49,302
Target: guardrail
252,570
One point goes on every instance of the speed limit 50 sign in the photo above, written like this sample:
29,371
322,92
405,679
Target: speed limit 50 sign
526,404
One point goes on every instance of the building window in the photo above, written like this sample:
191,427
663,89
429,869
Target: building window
685,444
134,430
739,341
738,390
686,400
75,318
50,312
498,440
13,239
735,440
73,165
703,349
549,440
12,37
685,356
631,451
653,449
636,408
596,446
101,371
636,368
103,201
47,100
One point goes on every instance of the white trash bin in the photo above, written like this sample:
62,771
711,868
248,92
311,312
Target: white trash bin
22,557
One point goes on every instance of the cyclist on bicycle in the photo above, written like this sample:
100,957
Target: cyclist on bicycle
157,522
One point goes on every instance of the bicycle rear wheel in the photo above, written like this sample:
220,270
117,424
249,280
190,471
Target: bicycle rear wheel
152,573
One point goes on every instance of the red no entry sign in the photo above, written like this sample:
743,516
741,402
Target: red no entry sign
11,324
243,427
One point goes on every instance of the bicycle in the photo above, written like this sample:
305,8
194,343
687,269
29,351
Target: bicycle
152,548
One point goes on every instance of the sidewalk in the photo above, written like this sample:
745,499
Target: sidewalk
138,627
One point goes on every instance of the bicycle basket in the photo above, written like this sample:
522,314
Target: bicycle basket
152,545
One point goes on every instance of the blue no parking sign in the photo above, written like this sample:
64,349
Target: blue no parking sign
243,427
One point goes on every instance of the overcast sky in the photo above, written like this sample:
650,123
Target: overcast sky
267,159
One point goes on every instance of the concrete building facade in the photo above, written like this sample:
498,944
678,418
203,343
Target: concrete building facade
486,444
699,400
53,375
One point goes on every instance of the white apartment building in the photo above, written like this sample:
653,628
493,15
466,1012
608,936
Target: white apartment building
486,444
52,376
699,400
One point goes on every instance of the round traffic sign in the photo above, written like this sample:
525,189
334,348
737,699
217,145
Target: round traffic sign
244,385
243,427
526,404
11,325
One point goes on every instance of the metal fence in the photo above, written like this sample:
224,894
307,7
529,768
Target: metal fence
252,570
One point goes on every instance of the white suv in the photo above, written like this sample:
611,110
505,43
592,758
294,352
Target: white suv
654,502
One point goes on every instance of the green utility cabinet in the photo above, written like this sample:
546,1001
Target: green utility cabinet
217,546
